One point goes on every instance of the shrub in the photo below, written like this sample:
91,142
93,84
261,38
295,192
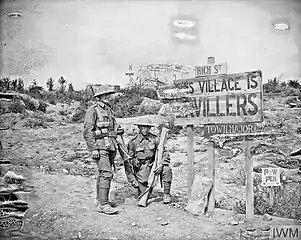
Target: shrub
289,88
170,124
149,111
79,115
15,106
29,105
127,104
42,106
287,201
34,123
63,112
52,101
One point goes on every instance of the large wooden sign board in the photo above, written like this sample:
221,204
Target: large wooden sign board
224,104
229,98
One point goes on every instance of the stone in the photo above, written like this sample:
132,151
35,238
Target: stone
234,223
267,217
165,223
199,195
150,105
11,177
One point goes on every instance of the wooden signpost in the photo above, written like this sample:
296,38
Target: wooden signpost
270,177
224,104
210,69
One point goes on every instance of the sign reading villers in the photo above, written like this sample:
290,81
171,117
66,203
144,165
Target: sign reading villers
217,99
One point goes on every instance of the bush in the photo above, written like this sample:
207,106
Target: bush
42,106
291,88
127,104
34,123
63,112
79,115
29,105
287,201
52,101
15,106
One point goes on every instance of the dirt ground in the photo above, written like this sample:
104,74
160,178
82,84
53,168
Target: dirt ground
55,162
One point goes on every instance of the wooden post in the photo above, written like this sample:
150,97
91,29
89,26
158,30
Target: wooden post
211,169
271,195
190,158
249,182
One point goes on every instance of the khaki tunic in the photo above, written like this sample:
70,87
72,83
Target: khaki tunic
142,152
100,132
100,128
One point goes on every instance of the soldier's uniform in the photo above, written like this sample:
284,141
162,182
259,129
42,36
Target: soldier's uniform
142,150
100,132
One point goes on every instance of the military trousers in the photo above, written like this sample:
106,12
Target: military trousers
105,172
142,173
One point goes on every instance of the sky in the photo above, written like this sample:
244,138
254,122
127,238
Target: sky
89,41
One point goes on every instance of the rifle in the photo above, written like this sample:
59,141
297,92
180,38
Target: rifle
125,157
153,178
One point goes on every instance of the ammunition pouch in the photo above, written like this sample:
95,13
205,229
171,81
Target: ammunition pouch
102,133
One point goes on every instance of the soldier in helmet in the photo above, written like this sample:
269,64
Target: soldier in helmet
142,149
100,132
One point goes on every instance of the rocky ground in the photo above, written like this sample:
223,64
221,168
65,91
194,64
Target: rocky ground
58,170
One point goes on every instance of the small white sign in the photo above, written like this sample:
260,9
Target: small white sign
270,177
210,69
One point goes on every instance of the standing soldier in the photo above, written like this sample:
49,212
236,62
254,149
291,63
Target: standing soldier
100,132
142,150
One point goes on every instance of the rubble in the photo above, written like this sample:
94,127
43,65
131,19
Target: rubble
11,178
149,105
267,217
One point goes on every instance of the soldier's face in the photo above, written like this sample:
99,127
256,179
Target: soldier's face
144,130
106,98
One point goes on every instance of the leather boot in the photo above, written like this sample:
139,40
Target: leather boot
166,196
112,204
104,206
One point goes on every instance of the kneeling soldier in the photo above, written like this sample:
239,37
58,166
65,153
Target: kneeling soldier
142,150
100,132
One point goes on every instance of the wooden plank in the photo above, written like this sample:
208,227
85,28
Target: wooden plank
249,182
231,98
211,173
271,195
190,158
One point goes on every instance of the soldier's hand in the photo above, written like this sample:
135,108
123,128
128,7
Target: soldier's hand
95,154
120,130
135,184
159,169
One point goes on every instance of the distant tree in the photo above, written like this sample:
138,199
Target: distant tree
50,84
5,83
283,84
294,84
34,88
20,85
14,84
70,88
62,81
